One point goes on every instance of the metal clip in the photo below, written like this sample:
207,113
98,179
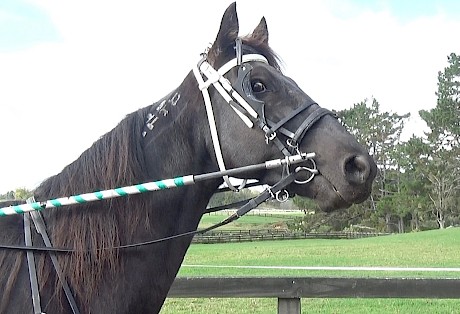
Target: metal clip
294,145
282,196
291,143
270,137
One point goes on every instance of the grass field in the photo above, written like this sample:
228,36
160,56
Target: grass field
312,306
438,248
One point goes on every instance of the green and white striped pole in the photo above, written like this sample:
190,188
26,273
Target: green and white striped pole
149,186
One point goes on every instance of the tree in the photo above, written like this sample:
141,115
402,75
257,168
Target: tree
22,194
419,180
443,171
414,161
443,120
18,194
445,184
7,196
380,132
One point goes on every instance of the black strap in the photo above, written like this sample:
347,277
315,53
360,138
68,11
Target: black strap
308,123
40,226
31,266
289,117
226,206
253,203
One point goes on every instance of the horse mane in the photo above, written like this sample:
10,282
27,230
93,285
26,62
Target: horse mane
10,261
114,160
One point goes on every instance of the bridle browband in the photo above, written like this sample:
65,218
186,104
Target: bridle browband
251,110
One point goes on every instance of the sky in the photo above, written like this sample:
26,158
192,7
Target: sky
70,71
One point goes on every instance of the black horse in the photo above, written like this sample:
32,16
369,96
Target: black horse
168,139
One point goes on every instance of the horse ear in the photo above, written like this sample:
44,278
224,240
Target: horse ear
228,31
260,33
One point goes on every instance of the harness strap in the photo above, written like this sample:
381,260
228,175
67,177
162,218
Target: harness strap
223,86
309,121
280,146
267,194
31,266
239,51
226,206
286,119
212,124
40,226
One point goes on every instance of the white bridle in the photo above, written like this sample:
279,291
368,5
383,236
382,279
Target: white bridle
231,96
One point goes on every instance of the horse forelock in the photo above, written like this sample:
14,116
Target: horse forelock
263,49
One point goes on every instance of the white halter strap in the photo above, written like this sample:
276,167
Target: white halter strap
245,58
224,87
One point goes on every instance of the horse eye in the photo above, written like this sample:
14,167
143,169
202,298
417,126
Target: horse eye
258,87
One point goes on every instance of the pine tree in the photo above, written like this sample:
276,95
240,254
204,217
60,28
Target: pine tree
443,170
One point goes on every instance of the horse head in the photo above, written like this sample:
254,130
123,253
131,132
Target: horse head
281,120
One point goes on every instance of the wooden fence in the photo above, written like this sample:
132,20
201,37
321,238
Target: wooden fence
225,236
289,291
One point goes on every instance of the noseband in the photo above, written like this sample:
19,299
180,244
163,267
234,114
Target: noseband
241,99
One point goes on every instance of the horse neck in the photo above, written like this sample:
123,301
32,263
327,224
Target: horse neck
179,139
178,144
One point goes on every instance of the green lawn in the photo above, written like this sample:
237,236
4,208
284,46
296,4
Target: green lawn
438,248
311,306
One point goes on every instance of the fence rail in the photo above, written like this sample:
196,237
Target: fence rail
289,290
273,234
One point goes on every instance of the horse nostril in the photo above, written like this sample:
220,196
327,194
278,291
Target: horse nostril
357,169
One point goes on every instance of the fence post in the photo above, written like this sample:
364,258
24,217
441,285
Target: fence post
288,305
